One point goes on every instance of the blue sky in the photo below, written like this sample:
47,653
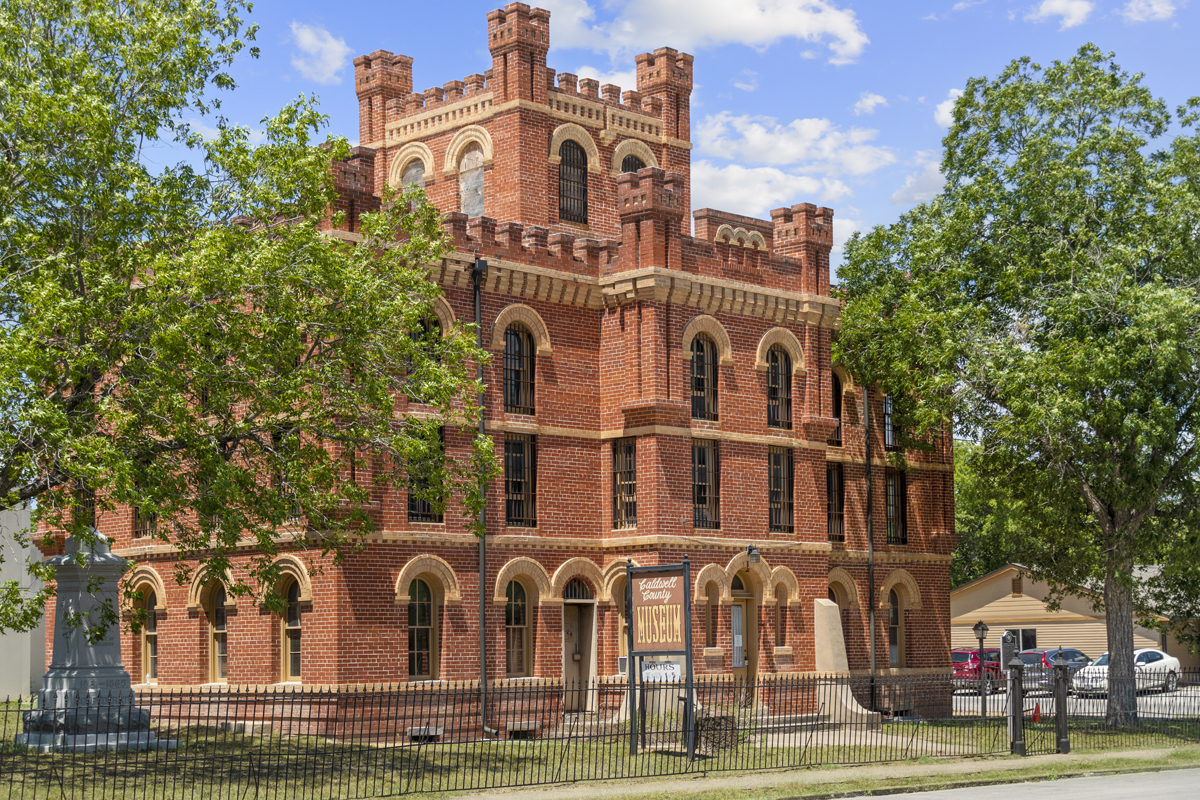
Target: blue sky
838,102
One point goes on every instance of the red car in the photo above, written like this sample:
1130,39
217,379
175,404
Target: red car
966,669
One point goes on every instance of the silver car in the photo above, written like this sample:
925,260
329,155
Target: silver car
1152,669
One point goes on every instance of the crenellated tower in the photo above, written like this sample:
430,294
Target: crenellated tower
378,78
518,38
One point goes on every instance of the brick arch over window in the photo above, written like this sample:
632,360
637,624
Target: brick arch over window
579,567
292,568
905,586
791,586
711,572
611,574
147,576
533,573
445,315
788,341
472,134
202,583
848,385
632,147
580,136
428,564
413,151
843,580
761,571
706,324
518,312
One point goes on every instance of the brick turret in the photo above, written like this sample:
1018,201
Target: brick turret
650,207
378,78
518,38
666,74
806,232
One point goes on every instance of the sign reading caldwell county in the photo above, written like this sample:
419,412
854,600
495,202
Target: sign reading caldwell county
657,613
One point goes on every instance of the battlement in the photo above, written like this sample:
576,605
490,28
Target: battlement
354,183
802,226
649,192
664,67
529,244
518,25
734,229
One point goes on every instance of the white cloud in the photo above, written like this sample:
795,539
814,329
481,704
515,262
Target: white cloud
208,132
943,114
748,82
639,25
843,228
1071,12
1149,10
923,186
754,191
867,103
626,79
963,5
809,145
322,55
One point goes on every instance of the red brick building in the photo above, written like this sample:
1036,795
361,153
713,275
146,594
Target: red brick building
654,393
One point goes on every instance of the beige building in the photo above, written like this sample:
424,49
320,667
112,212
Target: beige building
1007,599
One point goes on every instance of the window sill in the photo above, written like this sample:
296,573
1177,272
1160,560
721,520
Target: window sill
783,651
714,652
628,529
520,530
705,530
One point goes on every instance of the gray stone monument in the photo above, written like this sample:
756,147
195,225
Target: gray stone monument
86,702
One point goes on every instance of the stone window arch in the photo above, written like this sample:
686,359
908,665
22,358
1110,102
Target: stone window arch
783,578
579,135
844,589
714,573
147,593
470,135
572,183
217,610
784,338
405,165
518,312
293,570
906,588
424,588
578,567
533,576
437,572
704,323
631,148
445,315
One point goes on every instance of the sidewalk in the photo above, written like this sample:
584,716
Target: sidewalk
851,781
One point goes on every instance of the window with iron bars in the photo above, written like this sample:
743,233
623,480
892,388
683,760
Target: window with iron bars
704,378
144,523
519,366
572,183
835,490
706,483
779,388
424,504
632,163
284,445
835,438
897,506
520,480
780,489
624,482
84,512
889,427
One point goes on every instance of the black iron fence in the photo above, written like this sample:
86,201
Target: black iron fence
290,742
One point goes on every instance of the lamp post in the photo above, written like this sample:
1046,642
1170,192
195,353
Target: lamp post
981,631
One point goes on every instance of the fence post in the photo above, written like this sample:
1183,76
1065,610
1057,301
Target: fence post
1061,679
1016,705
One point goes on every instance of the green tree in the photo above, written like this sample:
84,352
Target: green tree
988,520
187,340
1047,302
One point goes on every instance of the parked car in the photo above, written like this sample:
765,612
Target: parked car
1039,665
1152,669
966,669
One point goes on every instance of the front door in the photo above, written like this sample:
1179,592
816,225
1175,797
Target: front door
578,654
743,629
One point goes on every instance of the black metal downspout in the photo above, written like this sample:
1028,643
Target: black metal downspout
870,539
477,274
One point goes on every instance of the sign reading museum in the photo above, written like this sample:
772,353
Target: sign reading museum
657,612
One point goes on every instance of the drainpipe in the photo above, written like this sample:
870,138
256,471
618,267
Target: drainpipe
870,538
477,273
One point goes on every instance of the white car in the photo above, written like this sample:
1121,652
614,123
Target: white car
1152,669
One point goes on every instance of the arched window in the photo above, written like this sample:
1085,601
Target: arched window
218,646
710,614
150,641
572,183
516,632
780,615
833,595
632,163
291,634
422,632
519,368
779,388
895,630
470,181
704,378
413,174
576,589
835,438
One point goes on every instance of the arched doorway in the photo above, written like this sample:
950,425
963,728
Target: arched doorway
743,627
579,644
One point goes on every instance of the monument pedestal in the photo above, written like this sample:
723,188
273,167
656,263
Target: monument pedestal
87,701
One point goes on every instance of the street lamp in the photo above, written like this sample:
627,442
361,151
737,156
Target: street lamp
752,554
981,631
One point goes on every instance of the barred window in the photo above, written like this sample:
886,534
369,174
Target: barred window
284,446
291,634
835,438
520,480
572,183
632,163
516,631
780,489
624,481
835,490
425,501
779,388
706,484
145,523
519,370
421,630
413,174
889,428
897,506
704,378
426,336
85,505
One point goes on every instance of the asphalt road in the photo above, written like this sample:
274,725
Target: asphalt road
1176,784
1183,702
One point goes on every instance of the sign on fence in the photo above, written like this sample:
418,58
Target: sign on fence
661,672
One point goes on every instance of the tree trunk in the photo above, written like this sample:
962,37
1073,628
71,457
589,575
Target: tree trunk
1118,608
